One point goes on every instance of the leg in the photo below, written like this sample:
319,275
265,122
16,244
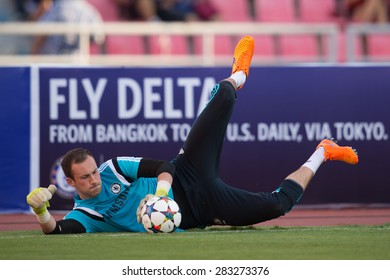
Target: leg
146,10
302,176
198,161
227,205
232,206
326,150
204,143
372,11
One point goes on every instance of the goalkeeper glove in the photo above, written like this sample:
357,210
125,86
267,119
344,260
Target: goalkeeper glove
163,188
38,199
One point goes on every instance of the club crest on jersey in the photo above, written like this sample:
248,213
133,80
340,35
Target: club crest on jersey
115,188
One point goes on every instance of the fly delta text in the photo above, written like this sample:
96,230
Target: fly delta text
152,99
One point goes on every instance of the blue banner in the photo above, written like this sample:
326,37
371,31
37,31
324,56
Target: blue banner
281,114
14,138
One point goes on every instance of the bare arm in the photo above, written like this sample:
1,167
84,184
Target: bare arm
49,226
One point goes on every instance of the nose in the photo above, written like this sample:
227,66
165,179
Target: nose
93,179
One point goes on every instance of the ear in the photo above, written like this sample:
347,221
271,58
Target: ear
70,181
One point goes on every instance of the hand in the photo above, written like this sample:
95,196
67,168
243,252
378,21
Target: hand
39,198
141,205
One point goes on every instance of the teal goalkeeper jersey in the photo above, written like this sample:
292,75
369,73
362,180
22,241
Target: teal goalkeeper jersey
114,209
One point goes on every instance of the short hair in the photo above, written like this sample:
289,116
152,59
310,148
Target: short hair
74,156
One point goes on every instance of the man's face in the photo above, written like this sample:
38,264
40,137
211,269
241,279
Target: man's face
86,178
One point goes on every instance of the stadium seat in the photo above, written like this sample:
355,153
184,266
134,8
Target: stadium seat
275,10
223,45
299,48
107,9
316,10
239,11
94,49
124,44
236,11
168,45
378,46
264,47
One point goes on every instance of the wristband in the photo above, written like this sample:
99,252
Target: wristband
44,217
163,188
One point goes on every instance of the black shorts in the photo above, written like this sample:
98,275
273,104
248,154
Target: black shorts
203,197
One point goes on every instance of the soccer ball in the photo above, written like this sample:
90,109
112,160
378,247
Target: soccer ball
160,214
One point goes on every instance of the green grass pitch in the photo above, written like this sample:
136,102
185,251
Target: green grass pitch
215,243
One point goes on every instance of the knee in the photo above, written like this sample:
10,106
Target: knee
228,90
288,194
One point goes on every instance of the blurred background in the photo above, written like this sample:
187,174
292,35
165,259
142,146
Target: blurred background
192,32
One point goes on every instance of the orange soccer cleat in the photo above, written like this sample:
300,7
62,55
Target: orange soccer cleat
332,151
243,55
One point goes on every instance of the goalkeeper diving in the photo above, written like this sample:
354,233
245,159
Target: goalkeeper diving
110,196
